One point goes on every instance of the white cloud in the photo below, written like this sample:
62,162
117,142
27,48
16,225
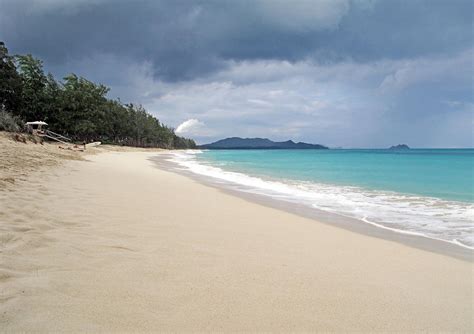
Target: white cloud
191,127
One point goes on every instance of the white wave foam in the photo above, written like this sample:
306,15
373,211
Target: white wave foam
409,214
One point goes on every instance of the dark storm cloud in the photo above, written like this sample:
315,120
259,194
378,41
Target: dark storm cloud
188,39
352,73
61,32
403,29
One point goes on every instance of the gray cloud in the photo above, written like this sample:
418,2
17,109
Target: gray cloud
345,104
187,39
341,72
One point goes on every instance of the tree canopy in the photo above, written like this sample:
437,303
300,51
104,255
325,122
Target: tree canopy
77,107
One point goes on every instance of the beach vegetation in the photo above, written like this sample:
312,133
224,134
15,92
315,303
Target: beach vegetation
75,107
10,81
9,122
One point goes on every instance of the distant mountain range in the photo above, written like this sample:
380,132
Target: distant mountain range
399,147
258,143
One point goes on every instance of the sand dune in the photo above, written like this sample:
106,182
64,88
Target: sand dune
114,243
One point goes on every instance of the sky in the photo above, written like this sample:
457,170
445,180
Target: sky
344,73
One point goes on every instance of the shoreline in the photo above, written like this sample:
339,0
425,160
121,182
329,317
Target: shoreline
115,243
418,241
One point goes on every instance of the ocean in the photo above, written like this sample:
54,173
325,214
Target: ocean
426,192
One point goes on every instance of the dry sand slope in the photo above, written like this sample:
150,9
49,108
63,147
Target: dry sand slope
114,243
18,159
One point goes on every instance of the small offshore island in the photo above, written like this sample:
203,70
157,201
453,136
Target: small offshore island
399,147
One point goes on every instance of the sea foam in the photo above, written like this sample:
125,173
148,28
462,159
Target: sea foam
449,221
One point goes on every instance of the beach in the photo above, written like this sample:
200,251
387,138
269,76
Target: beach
111,241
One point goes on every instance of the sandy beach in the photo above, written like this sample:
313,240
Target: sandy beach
109,242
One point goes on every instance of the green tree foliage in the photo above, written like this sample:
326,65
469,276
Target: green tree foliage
10,81
34,102
82,108
77,107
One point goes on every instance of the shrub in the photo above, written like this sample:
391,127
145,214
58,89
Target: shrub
9,122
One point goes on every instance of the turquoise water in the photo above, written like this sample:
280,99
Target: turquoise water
441,173
426,192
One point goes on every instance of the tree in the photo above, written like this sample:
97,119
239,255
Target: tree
34,103
82,105
10,82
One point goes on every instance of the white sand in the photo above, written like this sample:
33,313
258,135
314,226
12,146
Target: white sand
117,244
